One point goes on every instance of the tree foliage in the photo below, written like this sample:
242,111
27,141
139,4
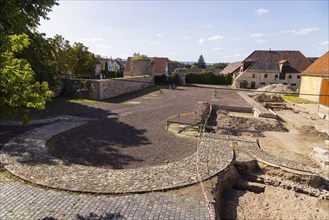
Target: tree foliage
209,78
201,62
18,89
18,17
72,59
219,65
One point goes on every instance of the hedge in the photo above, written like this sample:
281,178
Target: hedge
208,78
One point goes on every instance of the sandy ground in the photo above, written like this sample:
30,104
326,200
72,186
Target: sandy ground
274,203
304,134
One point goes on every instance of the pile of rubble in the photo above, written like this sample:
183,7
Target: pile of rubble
267,98
280,88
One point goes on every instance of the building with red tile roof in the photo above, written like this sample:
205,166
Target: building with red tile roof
265,67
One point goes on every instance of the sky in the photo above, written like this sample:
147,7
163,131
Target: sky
221,31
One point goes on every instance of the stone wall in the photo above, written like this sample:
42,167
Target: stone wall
142,67
104,89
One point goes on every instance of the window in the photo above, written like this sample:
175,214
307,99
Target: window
265,76
262,83
253,75
298,76
276,76
290,76
293,84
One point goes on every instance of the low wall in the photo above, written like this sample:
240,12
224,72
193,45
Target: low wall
104,89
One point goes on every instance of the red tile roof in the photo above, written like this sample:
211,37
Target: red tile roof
295,58
319,67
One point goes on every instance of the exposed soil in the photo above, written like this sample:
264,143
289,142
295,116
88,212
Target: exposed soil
247,126
273,203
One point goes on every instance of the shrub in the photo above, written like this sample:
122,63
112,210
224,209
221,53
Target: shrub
161,79
174,79
209,78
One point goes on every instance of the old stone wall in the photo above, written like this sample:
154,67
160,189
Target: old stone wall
119,86
104,89
142,67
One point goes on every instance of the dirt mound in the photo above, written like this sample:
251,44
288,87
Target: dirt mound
277,88
247,126
313,132
267,98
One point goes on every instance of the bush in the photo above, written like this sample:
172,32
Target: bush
161,79
110,74
209,78
174,79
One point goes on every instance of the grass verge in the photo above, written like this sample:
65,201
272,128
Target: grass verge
296,99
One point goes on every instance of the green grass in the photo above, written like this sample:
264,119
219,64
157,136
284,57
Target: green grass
296,99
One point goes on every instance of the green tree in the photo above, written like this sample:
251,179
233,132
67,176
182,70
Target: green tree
219,65
86,61
19,91
201,62
18,17
61,57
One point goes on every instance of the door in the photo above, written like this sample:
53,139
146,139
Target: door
324,92
252,85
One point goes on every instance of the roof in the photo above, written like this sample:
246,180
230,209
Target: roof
319,67
312,59
172,65
267,67
296,60
232,67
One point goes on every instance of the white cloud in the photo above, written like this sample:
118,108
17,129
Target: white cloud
215,38
159,35
324,43
303,31
261,41
187,37
92,39
155,43
218,49
257,35
320,48
201,41
103,46
262,11
207,26
237,55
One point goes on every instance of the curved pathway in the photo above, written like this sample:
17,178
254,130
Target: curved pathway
26,157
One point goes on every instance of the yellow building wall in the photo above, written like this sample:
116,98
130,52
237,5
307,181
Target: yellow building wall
310,85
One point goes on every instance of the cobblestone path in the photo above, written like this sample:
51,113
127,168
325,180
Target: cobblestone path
22,201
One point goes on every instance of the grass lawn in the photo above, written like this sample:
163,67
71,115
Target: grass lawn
296,99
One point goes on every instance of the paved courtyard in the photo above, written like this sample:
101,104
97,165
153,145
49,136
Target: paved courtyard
24,201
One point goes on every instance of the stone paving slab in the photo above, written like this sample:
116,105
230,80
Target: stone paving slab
22,201
26,157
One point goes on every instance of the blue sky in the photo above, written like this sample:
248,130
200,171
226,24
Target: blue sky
222,31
